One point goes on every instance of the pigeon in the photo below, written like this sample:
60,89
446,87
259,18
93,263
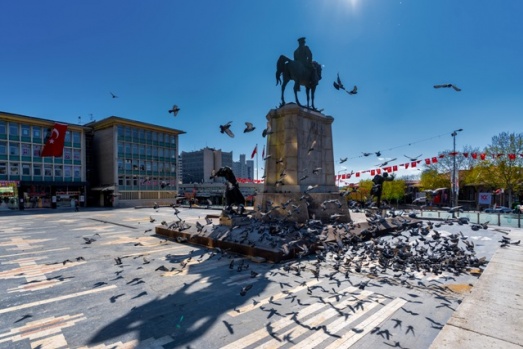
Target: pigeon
244,290
337,84
174,110
268,130
151,219
249,127
353,91
447,86
311,148
342,160
226,129
385,163
113,95
366,154
413,158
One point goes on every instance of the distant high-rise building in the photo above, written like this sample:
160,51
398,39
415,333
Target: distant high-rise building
243,168
198,165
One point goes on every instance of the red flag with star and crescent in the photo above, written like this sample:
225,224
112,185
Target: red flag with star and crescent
55,143
254,151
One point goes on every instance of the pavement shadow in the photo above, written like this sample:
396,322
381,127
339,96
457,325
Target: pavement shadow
212,289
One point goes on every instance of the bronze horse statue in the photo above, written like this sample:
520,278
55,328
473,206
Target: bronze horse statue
301,74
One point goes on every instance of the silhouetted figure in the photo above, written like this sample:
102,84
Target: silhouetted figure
377,188
233,195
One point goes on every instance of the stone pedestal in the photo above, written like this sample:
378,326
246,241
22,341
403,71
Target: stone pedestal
300,162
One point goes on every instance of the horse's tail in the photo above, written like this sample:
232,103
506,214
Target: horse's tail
280,65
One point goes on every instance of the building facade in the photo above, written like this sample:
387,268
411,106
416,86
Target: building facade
243,168
198,165
28,180
135,162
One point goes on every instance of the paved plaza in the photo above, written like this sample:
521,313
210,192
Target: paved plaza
103,279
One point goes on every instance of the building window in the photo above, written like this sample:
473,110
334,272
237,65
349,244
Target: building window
160,137
37,132
3,148
76,137
127,148
37,170
128,164
58,171
148,166
48,171
76,154
67,136
76,171
14,149
120,147
3,128
26,169
26,149
67,172
148,150
135,134
135,149
3,168
67,154
142,150
36,150
13,129
127,131
155,136
120,164
141,135
14,169
26,131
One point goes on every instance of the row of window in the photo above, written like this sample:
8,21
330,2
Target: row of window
140,135
38,170
142,165
146,150
148,182
36,132
28,149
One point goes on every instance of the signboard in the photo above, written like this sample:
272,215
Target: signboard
485,198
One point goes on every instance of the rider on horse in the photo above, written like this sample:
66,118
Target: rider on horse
303,55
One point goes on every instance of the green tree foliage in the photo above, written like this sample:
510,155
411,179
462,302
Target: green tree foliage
394,191
503,167
432,179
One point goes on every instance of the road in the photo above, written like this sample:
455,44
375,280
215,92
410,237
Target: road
102,279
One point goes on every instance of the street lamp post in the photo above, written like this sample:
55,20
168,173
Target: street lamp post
342,170
454,185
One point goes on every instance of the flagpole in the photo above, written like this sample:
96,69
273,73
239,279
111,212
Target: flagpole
256,162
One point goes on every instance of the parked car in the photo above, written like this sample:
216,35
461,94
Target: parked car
420,201
499,209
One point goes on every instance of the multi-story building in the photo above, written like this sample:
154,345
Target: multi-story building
198,165
29,180
243,168
135,162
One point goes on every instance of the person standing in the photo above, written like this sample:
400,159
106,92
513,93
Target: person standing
76,205
377,188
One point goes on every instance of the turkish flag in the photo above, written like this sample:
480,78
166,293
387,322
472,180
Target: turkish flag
55,143
254,151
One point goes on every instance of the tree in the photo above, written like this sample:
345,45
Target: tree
394,190
503,168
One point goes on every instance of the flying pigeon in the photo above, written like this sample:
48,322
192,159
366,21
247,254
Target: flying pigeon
413,158
366,154
385,163
113,95
337,84
249,127
268,130
447,86
342,160
225,129
353,91
174,110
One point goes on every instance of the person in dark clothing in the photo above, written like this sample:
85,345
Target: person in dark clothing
377,188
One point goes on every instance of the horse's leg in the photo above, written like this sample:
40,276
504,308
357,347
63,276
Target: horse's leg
312,97
308,90
296,89
285,81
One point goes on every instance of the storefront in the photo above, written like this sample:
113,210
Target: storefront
9,194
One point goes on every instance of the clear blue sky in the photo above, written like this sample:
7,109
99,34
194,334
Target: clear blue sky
217,60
